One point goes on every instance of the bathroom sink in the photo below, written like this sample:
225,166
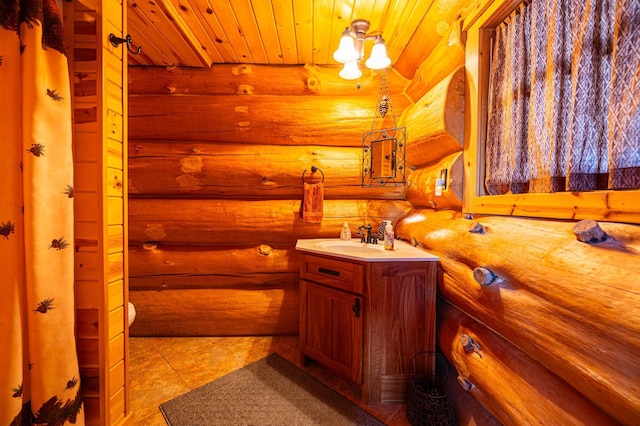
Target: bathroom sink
351,246
356,250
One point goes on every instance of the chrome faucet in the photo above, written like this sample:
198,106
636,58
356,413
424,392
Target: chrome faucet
369,237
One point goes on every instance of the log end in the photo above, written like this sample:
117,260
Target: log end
484,276
265,249
477,228
589,231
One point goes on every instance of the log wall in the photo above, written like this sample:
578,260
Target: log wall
216,165
572,307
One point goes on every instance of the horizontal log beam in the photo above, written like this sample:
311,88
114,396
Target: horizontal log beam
268,120
247,79
167,168
527,393
169,267
189,221
216,312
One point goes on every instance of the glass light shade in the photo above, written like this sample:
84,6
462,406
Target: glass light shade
346,50
350,71
378,59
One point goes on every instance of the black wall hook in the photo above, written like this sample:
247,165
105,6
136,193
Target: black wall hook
117,41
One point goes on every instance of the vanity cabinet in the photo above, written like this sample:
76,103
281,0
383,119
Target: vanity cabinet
365,320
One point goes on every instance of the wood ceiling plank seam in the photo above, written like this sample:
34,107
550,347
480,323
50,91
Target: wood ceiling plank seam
303,19
149,55
323,25
285,25
245,16
162,26
426,37
266,24
229,24
175,15
410,20
188,12
157,24
212,26
147,36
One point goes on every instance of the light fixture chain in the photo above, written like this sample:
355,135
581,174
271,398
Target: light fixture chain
384,104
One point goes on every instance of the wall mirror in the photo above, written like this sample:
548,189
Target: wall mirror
383,157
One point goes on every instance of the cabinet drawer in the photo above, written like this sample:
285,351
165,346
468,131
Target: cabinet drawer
333,272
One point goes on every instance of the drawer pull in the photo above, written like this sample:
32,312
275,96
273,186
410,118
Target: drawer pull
329,272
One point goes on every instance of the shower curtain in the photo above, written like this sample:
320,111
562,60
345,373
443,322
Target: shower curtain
39,376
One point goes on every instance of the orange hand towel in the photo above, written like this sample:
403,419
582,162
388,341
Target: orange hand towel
312,203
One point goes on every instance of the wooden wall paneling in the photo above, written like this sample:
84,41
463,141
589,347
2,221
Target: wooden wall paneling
158,168
509,383
445,58
421,185
551,306
116,294
186,221
184,49
149,54
406,16
191,25
262,42
285,24
436,122
441,15
98,103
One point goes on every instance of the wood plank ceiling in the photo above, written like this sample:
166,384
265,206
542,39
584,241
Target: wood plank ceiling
200,33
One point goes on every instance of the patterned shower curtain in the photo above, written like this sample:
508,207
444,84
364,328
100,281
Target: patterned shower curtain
39,376
565,98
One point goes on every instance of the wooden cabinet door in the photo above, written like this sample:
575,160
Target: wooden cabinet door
331,329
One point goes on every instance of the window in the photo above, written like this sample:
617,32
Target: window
610,205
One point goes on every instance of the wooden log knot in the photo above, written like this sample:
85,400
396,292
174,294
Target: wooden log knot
477,228
312,84
484,276
265,249
244,89
151,245
589,231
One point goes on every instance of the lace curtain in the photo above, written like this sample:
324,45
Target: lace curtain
564,111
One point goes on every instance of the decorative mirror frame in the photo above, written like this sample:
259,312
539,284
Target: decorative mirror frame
398,137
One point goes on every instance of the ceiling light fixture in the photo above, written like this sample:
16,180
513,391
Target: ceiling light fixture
351,50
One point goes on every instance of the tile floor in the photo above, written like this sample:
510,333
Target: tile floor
162,368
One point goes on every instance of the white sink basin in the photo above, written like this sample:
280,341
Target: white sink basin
356,250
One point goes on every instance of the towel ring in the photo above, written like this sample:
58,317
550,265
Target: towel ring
313,170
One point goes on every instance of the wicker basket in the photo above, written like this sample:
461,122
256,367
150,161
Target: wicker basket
427,397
